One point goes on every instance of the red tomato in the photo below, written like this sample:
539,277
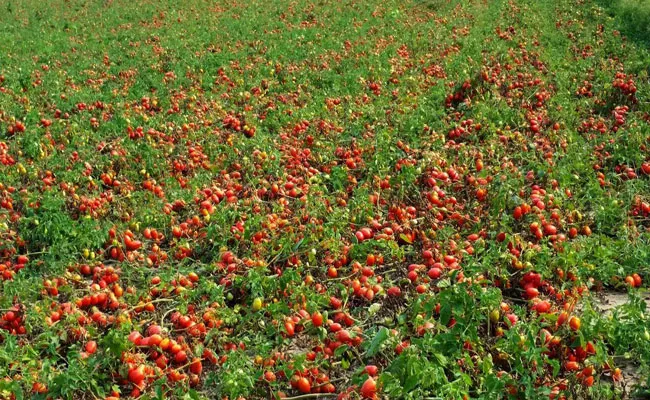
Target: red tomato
290,327
91,347
317,319
371,370
369,388
196,367
574,323
136,375
303,385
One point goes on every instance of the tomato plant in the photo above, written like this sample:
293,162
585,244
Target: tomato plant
356,200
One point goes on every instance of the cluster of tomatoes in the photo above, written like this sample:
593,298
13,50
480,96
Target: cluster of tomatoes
12,320
9,268
160,355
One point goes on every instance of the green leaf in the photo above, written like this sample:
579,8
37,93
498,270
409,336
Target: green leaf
556,366
377,341
412,382
441,359
340,350
445,314
444,283
191,395
405,238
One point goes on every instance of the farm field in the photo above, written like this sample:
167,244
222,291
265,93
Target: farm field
396,199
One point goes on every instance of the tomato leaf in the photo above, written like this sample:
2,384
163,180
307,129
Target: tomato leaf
445,313
377,341
191,395
405,238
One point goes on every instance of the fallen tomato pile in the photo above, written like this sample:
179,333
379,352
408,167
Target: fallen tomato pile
379,199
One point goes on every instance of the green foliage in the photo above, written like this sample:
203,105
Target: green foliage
632,17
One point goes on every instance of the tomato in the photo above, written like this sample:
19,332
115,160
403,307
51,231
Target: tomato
371,370
193,277
162,361
571,366
434,273
137,374
196,367
131,244
39,387
542,307
290,328
371,259
155,339
394,291
574,323
180,357
343,336
512,318
10,316
135,337
154,329
317,319
368,389
532,292
303,385
495,316
91,347
335,302
269,376
257,304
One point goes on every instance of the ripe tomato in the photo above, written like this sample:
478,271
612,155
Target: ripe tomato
303,385
571,366
290,327
574,323
155,339
371,370
180,357
91,347
542,307
343,336
136,374
394,291
317,319
196,367
369,388
269,376
637,280
434,273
